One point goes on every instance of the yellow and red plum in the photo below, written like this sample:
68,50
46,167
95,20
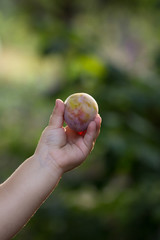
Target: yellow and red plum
80,110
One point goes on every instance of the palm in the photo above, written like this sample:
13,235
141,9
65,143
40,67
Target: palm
76,143
63,146
74,146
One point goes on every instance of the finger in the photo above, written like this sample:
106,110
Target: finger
98,121
56,119
90,135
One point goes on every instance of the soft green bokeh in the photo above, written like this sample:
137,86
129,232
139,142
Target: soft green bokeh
51,49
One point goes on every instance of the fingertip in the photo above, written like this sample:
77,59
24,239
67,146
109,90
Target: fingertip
56,119
98,118
98,121
59,100
58,108
59,104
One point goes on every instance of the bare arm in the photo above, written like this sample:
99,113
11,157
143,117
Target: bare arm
23,193
59,150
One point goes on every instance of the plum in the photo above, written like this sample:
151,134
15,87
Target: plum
80,110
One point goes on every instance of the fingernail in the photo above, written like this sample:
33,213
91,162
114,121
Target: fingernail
56,104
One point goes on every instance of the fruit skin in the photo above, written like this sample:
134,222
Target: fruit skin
80,110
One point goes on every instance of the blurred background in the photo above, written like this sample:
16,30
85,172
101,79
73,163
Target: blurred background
110,49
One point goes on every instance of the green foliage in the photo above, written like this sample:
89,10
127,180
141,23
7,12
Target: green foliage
112,54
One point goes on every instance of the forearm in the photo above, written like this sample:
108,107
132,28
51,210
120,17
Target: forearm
23,193
59,150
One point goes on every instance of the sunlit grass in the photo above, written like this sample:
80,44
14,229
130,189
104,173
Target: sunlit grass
21,66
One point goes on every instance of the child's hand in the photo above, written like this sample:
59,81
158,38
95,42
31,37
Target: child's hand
59,150
62,148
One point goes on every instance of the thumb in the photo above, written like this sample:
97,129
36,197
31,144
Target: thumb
56,119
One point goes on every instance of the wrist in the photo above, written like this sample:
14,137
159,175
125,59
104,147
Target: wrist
47,164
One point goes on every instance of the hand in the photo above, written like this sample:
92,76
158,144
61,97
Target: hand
62,147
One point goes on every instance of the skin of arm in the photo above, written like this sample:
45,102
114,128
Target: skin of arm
59,150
